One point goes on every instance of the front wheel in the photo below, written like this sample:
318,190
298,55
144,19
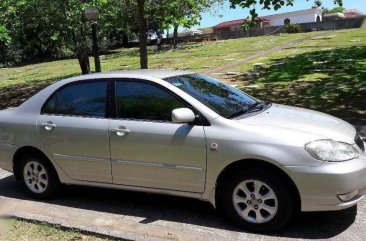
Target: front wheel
39,178
257,200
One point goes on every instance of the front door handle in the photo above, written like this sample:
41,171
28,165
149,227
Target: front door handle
121,131
49,126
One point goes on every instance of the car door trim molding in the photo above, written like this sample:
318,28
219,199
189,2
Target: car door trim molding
82,157
154,164
129,162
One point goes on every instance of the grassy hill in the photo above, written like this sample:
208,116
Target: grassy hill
319,70
195,57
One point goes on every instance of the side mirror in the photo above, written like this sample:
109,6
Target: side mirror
183,115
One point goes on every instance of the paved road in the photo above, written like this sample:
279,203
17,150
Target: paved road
139,216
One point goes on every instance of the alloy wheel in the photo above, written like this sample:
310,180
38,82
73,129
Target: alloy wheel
35,177
255,201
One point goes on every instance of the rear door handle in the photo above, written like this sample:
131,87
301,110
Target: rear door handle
121,131
49,126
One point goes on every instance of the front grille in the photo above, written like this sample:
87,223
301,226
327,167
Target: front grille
360,142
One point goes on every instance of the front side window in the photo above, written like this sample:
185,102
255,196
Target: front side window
143,101
221,98
81,99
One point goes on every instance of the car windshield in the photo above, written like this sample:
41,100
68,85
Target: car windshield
225,100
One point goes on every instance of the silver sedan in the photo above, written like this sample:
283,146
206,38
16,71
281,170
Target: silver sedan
185,134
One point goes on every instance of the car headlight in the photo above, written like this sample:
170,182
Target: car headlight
330,150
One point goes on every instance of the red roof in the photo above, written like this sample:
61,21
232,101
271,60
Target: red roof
236,22
230,23
352,14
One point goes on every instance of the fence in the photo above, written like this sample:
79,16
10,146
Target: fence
334,25
193,38
250,33
305,27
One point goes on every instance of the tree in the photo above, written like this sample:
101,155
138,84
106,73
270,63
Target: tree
185,13
317,4
154,16
4,34
265,4
334,10
32,29
44,29
142,34
41,28
118,22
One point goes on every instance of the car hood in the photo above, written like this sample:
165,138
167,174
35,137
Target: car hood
304,120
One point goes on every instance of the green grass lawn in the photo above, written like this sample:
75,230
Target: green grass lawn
14,230
324,73
197,56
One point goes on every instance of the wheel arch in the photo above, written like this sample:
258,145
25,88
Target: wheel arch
255,163
26,150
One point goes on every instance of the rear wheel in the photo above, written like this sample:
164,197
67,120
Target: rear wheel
257,200
38,177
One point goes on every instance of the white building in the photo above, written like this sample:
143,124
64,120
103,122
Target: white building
302,16
187,32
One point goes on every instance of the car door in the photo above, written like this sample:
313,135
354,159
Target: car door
74,129
147,148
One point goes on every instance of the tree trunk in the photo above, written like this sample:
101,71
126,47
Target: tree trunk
79,40
125,40
142,34
98,67
159,39
175,37
3,55
82,50
84,63
81,55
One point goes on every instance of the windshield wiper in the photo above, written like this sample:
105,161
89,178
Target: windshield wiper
256,106
238,113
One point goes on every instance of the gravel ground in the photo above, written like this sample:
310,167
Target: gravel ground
139,216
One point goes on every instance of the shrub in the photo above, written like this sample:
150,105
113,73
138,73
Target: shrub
293,28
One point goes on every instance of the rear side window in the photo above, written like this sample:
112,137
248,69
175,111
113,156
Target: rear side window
81,99
143,101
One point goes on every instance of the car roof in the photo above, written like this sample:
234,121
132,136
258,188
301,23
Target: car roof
155,73
34,104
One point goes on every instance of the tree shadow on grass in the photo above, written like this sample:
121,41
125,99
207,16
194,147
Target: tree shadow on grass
332,81
13,96
200,215
152,50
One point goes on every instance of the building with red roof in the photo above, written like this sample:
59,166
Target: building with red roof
352,13
236,25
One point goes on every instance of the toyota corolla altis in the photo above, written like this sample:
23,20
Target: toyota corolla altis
185,134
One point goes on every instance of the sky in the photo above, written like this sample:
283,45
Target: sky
224,13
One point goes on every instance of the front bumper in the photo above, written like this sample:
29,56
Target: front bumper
319,186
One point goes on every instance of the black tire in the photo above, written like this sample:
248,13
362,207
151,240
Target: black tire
285,200
53,185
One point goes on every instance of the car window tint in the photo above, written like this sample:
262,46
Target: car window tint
144,101
50,107
83,99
